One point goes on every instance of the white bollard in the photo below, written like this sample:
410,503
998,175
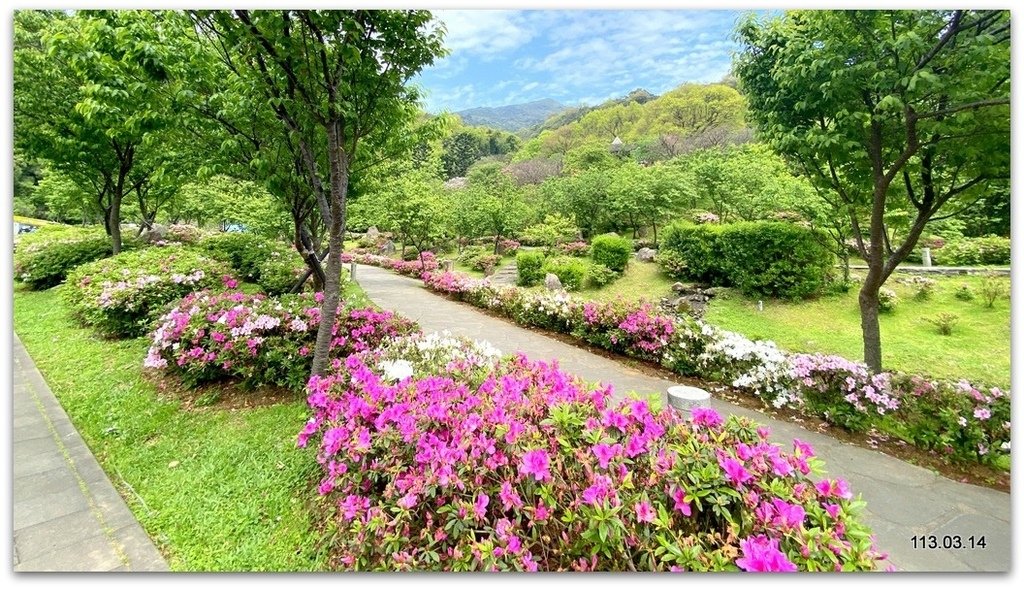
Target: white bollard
760,306
926,257
352,271
684,398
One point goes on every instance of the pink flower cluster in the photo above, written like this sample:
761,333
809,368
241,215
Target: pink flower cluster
526,468
260,340
573,248
425,262
828,374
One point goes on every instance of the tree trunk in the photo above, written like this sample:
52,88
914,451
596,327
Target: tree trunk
114,221
868,299
332,282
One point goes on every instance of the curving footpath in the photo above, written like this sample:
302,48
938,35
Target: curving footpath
903,500
67,514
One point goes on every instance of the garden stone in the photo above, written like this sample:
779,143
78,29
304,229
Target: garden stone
678,287
154,233
552,282
388,248
372,233
646,254
448,265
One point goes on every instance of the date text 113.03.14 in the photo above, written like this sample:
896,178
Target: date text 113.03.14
929,542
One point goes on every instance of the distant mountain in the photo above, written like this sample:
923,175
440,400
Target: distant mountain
513,117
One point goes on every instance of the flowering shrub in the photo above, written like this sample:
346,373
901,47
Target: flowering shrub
43,258
508,246
421,354
528,469
260,340
827,381
576,249
425,262
280,271
122,296
960,420
887,300
705,217
625,327
184,233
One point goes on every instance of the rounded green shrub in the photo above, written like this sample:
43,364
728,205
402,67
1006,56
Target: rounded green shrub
530,266
43,259
611,251
693,252
570,271
599,275
887,300
123,295
280,272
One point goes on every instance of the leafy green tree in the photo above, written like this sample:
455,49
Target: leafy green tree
500,207
877,106
644,195
94,92
334,78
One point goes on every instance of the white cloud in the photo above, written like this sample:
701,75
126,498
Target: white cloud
484,32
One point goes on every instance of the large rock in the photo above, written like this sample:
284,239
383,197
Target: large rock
646,254
154,233
388,248
552,282
372,232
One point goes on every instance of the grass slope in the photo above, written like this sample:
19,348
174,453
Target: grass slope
217,489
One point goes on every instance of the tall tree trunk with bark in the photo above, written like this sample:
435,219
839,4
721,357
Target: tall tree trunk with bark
332,280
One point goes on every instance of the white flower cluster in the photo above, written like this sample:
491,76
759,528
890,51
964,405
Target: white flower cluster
434,353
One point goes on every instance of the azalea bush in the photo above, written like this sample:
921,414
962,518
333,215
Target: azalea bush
831,387
524,468
42,259
260,340
123,295
424,262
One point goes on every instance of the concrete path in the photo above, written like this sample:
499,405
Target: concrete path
67,514
903,500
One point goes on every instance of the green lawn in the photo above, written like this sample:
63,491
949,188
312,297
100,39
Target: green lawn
978,349
217,489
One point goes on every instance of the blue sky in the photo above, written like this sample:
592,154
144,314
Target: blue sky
501,57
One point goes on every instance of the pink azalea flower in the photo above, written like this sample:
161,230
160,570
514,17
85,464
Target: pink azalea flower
644,512
834,488
789,515
509,497
734,470
480,505
536,462
542,512
604,453
706,416
762,555
803,448
528,562
682,504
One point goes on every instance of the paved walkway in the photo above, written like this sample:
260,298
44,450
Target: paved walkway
67,514
903,500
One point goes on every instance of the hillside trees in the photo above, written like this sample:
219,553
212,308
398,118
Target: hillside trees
884,107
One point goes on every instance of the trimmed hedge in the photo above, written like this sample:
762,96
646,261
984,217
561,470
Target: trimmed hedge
611,251
763,258
530,266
